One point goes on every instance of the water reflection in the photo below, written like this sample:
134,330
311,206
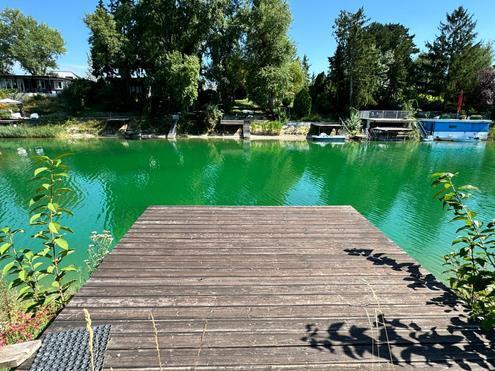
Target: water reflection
116,180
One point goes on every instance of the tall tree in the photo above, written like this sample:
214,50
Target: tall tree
105,41
273,72
306,66
35,46
321,93
454,59
225,47
355,66
397,48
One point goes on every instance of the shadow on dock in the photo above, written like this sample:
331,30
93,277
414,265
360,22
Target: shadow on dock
459,343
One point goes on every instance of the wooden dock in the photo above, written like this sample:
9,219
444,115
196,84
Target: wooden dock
271,288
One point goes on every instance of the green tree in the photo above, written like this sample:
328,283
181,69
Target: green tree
306,66
321,93
302,103
397,48
227,67
355,66
35,46
105,41
272,69
454,59
175,82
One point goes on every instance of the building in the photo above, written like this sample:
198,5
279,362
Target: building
52,83
387,124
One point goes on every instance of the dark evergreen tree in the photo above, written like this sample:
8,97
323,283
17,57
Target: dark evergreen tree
454,59
397,48
355,66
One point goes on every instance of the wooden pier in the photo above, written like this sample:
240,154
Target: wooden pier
271,288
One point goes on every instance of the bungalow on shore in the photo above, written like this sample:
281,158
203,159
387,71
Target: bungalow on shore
52,83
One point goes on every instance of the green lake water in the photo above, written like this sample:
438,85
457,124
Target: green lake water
388,183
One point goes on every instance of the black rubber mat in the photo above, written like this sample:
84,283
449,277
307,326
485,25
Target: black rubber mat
69,350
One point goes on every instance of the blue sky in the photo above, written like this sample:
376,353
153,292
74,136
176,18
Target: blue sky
311,27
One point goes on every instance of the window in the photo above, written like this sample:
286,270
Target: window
452,126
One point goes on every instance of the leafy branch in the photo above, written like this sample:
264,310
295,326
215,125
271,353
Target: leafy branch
472,263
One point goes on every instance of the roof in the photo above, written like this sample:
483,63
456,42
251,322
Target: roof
457,121
7,76
327,124
390,119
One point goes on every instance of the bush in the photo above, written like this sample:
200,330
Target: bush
211,117
302,103
266,127
472,260
354,124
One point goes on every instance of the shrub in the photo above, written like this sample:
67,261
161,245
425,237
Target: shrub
354,124
211,117
302,103
266,127
31,268
24,326
472,261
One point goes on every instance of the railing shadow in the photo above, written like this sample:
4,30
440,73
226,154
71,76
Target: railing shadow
460,343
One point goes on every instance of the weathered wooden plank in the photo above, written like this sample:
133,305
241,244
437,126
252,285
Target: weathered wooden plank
404,313
253,300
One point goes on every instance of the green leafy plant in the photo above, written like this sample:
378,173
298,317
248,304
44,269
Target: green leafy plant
47,210
472,263
354,124
33,268
266,127
23,265
212,116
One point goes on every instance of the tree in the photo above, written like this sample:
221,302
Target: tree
176,80
272,68
306,66
397,47
302,103
355,66
226,51
321,93
35,46
454,59
486,88
105,42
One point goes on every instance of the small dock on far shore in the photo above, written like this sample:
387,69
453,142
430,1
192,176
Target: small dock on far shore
251,288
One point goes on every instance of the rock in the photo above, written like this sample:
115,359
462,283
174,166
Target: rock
14,355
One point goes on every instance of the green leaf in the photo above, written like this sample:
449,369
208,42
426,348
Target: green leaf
22,275
40,170
62,243
7,268
34,218
51,206
5,247
56,284
54,227
69,268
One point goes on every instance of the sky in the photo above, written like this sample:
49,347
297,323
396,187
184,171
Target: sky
311,28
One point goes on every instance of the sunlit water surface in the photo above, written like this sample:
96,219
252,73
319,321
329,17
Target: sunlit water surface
388,183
